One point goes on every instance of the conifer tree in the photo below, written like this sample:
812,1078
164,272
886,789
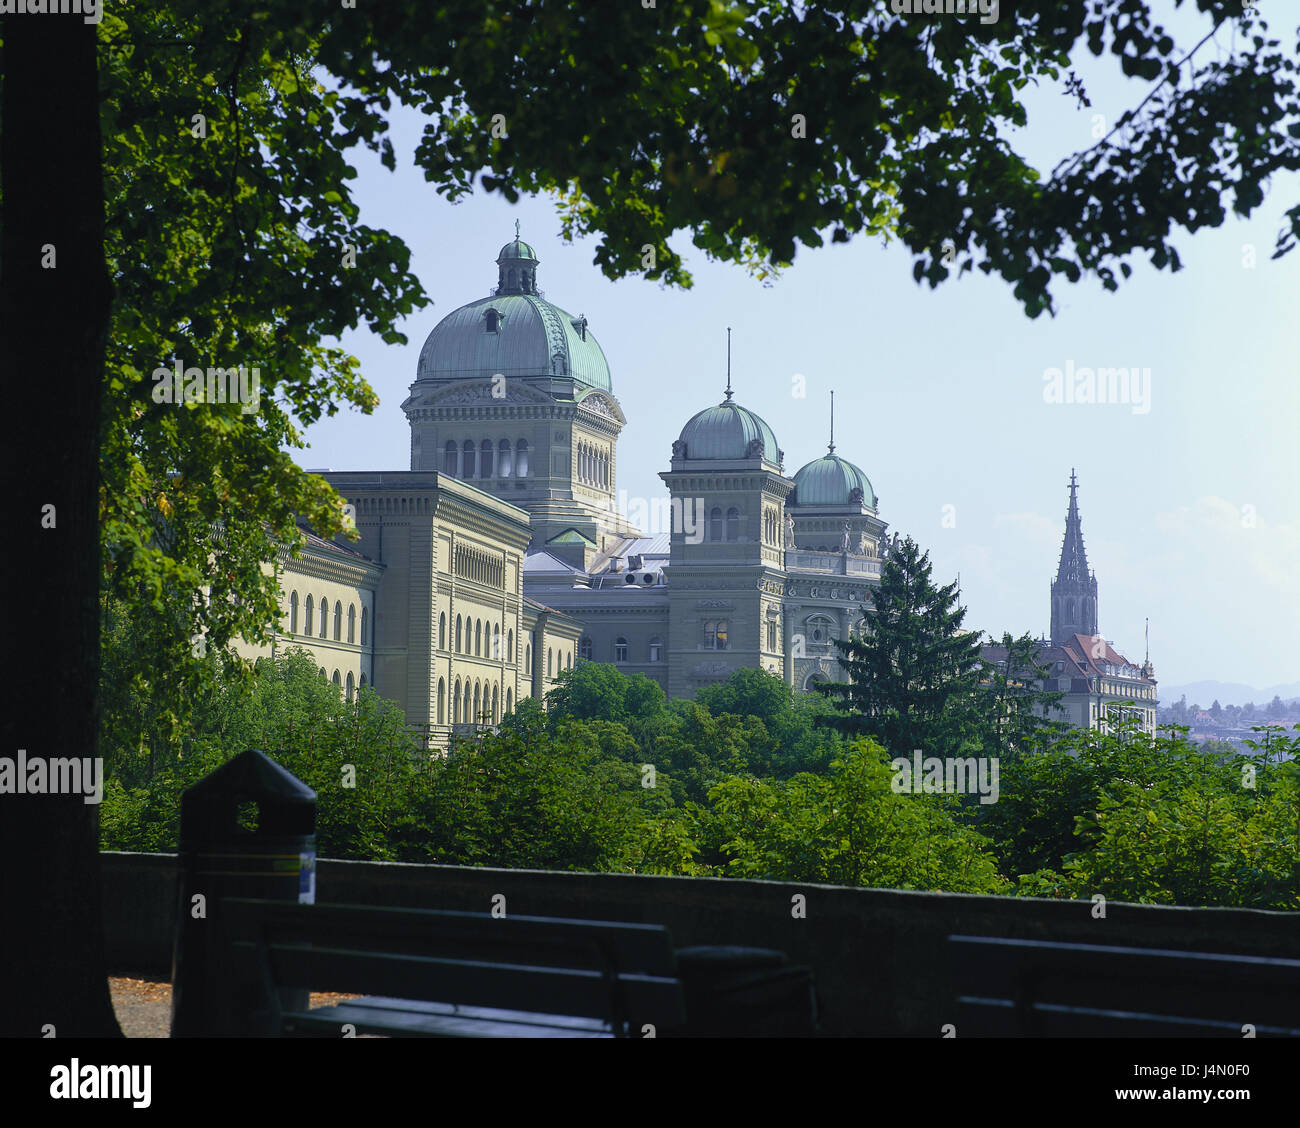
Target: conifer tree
914,675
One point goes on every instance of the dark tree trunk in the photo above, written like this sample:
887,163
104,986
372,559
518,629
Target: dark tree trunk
52,333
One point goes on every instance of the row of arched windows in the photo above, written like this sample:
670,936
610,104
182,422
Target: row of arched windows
478,702
310,614
593,464
477,637
349,687
485,459
551,663
718,528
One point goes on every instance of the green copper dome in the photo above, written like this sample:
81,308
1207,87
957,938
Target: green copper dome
727,431
513,331
830,480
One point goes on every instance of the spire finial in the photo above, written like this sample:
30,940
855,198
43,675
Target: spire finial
516,229
728,363
832,450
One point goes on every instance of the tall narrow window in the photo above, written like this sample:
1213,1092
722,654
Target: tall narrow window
293,613
656,649
550,654
458,634
365,618
467,471
442,701
510,700
324,618
478,637
528,658
723,642
338,621
733,524
620,649
521,459
715,531
351,685
449,458
710,635
505,459
442,631
352,622
510,645
585,649
492,321
485,451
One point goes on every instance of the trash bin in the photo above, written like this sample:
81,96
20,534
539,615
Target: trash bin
733,991
247,830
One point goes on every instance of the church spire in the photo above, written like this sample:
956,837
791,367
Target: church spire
1074,591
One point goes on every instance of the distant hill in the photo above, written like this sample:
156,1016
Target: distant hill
1204,693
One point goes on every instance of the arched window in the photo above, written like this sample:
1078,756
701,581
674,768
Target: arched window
495,703
496,643
455,704
724,642
715,635
307,617
478,704
550,654
293,613
478,637
458,636
492,321
528,658
585,649
715,531
510,645
351,685
733,524
324,618
338,621
510,700
485,451
620,649
467,452
442,701
363,681
338,681
352,622
505,459
521,458
656,649
365,619
568,659
450,457
442,631
1069,610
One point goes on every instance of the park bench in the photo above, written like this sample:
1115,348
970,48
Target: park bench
444,974
1039,989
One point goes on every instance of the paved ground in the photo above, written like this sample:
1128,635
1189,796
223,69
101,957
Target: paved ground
144,1006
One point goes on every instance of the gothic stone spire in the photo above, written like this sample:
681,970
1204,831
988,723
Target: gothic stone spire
1074,591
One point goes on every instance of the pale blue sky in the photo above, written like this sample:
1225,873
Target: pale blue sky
939,398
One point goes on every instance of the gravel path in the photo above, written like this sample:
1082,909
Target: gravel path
144,1006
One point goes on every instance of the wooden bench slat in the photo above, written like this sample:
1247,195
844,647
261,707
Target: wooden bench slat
409,1018
1040,987
631,947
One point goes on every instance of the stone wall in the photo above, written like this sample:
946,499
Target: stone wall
879,956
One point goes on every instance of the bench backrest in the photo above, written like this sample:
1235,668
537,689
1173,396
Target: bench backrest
1034,987
618,973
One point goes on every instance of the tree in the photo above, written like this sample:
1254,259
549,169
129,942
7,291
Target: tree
914,676
758,126
1018,711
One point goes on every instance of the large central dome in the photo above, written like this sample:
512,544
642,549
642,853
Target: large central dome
513,331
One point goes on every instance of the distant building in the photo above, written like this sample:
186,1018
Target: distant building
1097,681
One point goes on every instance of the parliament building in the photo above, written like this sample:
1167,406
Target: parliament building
500,557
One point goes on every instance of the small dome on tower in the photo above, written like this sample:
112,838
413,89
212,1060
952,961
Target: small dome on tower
830,480
727,431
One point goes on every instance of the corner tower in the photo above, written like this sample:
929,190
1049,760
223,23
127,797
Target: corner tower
514,395
1074,591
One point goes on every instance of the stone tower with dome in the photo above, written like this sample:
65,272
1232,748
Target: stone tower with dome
513,394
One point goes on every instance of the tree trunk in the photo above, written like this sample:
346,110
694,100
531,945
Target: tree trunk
54,306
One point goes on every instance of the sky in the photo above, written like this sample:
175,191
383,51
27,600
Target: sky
1187,496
